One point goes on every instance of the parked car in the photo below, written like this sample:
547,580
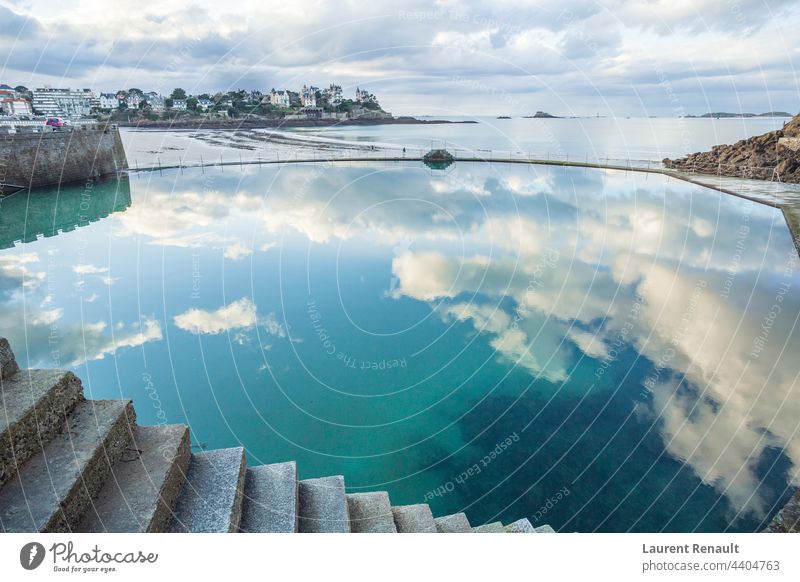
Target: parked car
55,122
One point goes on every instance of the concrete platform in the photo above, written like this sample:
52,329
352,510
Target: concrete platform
323,506
494,527
414,519
456,523
371,512
270,499
35,404
520,526
145,483
53,490
211,499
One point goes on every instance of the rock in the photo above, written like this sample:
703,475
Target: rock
771,156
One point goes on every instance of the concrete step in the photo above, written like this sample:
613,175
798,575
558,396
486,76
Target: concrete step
494,527
53,490
414,519
270,499
456,523
544,529
35,404
520,526
370,512
145,483
211,499
323,506
8,364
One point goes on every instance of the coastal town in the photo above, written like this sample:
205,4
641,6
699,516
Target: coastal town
137,105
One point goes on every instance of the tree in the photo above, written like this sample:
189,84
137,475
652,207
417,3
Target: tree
168,102
178,93
24,92
143,104
191,103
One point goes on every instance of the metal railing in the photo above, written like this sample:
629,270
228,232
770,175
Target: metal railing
331,152
40,127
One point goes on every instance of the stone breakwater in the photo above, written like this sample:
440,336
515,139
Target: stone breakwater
772,156
73,154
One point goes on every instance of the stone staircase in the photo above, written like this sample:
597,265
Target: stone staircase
68,464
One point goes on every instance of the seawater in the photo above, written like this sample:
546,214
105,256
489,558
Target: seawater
596,350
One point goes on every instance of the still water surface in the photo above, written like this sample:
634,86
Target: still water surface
600,351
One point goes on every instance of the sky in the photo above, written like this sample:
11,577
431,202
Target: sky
577,57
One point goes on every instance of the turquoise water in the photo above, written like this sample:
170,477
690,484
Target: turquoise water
600,351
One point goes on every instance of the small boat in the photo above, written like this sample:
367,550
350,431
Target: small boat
503,117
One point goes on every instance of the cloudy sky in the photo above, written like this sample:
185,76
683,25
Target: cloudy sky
653,57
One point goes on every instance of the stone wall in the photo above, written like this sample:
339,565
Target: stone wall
56,157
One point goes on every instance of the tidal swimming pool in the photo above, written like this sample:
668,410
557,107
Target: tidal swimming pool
595,350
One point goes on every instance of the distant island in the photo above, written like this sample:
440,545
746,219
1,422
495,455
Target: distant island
725,114
542,115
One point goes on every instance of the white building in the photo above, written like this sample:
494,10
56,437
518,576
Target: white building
205,104
133,100
108,101
308,96
333,94
280,98
155,101
364,96
179,104
16,107
63,102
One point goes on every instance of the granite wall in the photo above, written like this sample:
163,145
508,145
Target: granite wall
71,154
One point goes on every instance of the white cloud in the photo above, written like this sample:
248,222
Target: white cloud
237,251
14,269
132,336
589,343
188,241
87,269
543,55
239,314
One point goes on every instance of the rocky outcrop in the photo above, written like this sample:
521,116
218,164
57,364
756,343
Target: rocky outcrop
772,156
